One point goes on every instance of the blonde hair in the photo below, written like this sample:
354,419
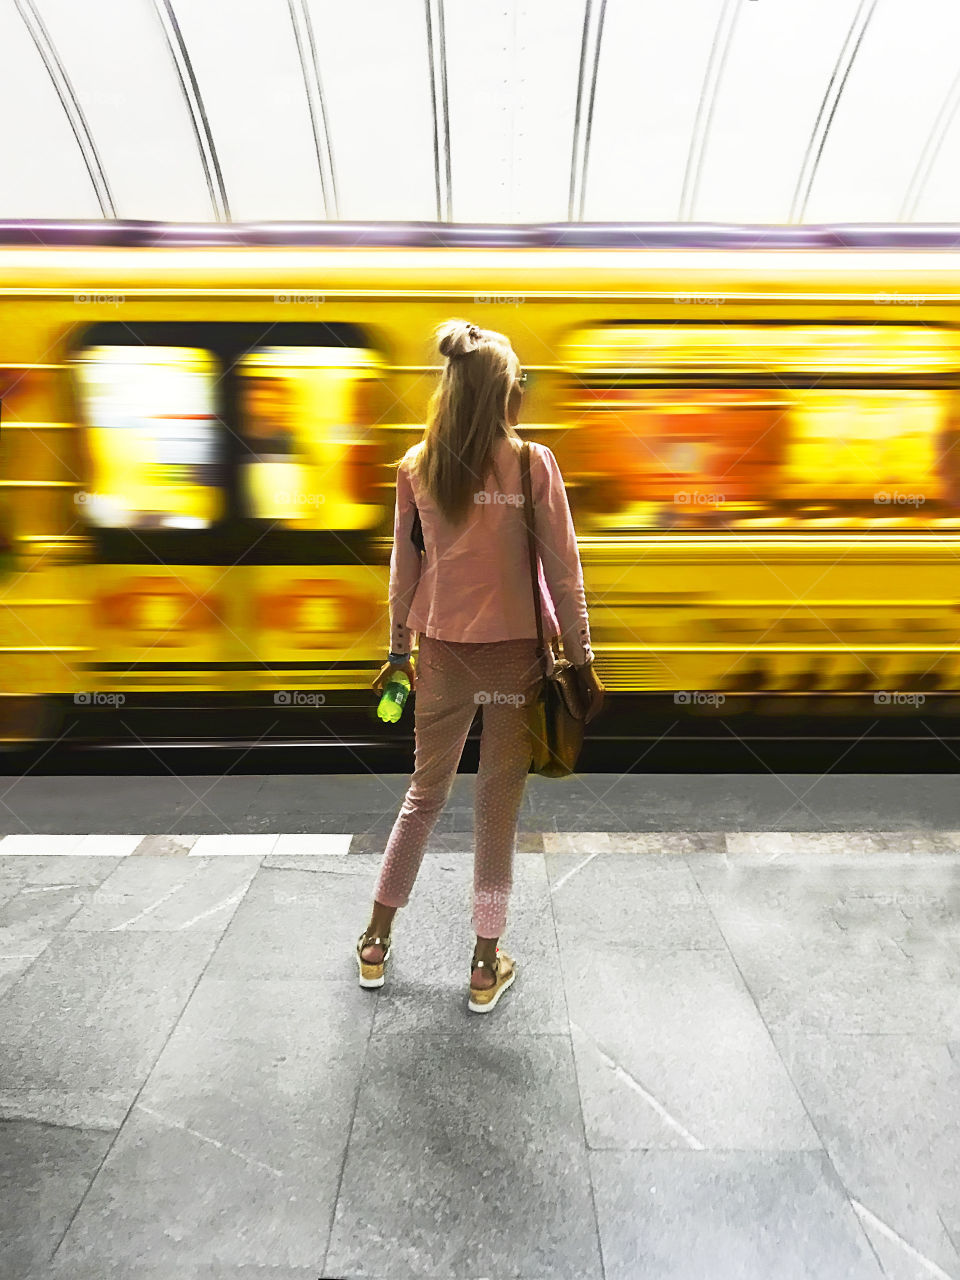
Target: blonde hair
466,415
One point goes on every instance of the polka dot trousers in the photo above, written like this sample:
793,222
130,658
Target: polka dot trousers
452,679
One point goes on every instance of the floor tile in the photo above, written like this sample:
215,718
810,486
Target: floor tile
844,949
161,893
253,1094
887,1108
433,940
44,1173
644,900
486,1171
639,842
83,1026
759,1020
671,1052
165,846
839,848
299,923
735,1215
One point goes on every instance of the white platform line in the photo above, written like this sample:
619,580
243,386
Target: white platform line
303,845
44,845
742,850
112,846
322,844
236,845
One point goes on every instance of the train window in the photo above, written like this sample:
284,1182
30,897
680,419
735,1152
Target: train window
309,458
154,439
714,427
229,442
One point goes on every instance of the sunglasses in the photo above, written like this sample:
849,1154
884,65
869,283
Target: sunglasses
522,381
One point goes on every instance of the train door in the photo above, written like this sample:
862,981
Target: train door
232,494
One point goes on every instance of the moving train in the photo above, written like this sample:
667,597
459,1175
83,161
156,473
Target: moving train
200,425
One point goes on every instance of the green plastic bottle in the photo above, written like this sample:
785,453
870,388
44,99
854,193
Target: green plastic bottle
394,697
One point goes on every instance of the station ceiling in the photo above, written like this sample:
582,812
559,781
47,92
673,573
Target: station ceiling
743,111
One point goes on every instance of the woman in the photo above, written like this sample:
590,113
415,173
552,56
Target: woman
470,599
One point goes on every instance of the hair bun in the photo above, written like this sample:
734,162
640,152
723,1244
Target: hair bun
457,338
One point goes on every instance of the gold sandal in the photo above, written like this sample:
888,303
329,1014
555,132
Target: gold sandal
371,975
483,999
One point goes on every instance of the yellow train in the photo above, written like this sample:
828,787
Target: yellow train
199,429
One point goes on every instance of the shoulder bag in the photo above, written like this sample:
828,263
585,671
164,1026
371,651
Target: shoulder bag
556,717
416,531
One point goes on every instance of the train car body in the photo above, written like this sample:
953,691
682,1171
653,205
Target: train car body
199,432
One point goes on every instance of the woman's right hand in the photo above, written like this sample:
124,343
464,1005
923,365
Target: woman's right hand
382,678
593,690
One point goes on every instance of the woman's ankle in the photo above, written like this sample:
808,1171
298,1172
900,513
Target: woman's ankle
381,918
485,949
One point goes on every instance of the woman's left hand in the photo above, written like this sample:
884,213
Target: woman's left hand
383,677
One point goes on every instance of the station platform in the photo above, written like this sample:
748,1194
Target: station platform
732,1048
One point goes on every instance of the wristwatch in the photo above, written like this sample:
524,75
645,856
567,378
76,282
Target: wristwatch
398,659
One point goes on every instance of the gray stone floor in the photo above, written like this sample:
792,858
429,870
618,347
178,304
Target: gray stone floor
732,1049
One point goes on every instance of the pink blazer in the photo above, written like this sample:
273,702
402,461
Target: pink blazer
474,584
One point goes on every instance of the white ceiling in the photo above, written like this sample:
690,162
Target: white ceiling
526,111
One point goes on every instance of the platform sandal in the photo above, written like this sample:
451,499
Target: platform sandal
483,999
371,975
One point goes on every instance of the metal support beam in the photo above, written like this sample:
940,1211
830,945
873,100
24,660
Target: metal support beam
593,17
194,102
930,152
437,51
310,66
722,39
70,103
828,108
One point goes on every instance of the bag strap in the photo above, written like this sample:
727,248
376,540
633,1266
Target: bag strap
531,547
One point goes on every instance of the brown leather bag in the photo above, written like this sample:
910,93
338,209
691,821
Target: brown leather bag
556,716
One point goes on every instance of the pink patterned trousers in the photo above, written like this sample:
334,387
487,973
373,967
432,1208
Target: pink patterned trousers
452,679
